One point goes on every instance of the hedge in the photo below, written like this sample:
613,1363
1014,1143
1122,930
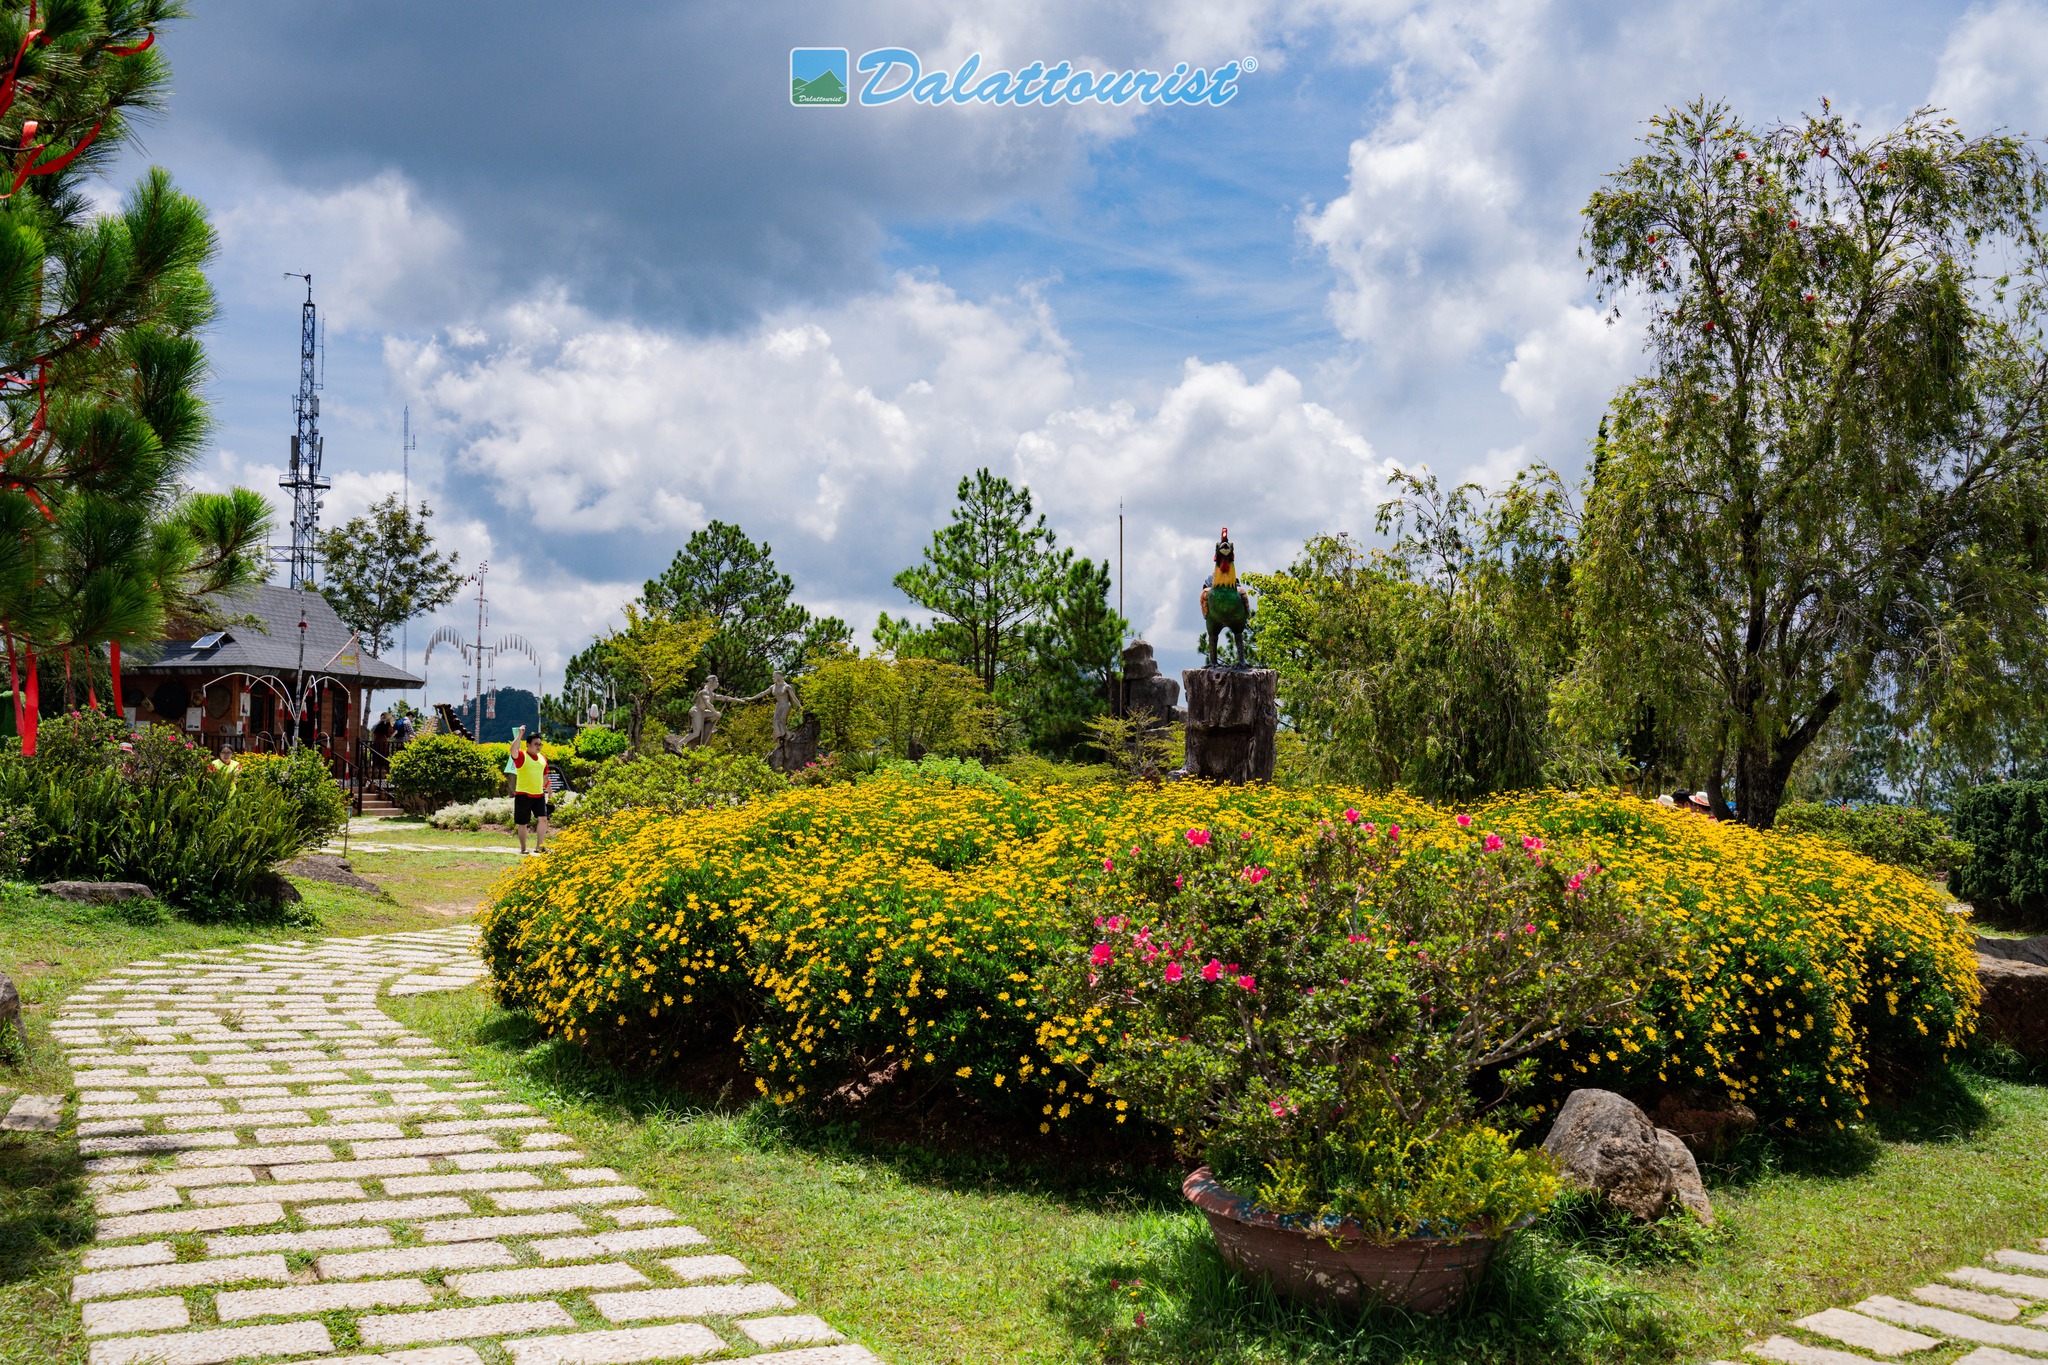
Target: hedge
2006,823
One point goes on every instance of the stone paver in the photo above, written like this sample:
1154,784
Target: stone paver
1961,1326
793,1329
698,1301
225,1091
302,1300
1786,1351
135,1315
617,1348
2026,1286
217,1346
1866,1334
1970,1301
453,1324
504,1284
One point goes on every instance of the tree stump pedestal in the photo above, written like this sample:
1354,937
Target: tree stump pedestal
797,749
1233,714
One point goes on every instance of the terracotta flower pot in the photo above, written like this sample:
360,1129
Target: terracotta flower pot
1332,1263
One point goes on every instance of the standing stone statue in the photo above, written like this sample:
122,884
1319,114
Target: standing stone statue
704,713
10,1009
784,693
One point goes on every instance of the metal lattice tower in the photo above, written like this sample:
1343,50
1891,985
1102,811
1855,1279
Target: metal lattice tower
305,479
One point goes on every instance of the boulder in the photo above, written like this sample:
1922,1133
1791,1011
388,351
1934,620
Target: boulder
1707,1124
1605,1144
98,893
2034,950
2014,1009
1146,691
274,888
326,867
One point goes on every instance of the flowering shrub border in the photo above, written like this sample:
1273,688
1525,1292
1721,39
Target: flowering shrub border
841,929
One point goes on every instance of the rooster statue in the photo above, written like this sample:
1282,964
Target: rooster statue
1224,604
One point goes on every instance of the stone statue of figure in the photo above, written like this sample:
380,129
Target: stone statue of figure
784,693
704,713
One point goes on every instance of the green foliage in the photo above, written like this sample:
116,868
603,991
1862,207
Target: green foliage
1314,1023
2006,827
1829,488
695,779
158,813
599,742
1137,747
382,570
732,582
1077,647
439,770
319,806
949,772
1398,683
903,708
1904,836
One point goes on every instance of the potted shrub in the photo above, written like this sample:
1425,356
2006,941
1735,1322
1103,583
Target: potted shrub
1317,1027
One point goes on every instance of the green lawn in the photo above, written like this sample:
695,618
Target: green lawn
944,1249
965,1256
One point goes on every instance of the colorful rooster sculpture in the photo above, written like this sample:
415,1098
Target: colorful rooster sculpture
1224,604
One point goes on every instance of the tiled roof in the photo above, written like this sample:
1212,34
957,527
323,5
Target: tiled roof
271,644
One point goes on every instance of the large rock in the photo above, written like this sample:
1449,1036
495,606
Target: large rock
2014,1009
2034,950
1603,1143
1232,716
98,893
274,888
1146,691
326,867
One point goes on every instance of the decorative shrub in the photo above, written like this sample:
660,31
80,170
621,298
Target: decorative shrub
156,812
1313,1022
1904,836
495,810
842,929
949,772
2006,824
439,770
319,805
600,742
695,779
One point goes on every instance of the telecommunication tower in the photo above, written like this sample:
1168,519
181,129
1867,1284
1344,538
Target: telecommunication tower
305,479
406,447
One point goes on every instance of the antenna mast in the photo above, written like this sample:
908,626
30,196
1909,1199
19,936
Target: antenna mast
305,479
405,450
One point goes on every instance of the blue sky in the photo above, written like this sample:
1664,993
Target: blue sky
626,287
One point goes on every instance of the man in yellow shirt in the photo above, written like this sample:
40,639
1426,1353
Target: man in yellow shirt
530,793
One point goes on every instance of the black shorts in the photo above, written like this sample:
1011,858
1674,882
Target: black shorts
526,808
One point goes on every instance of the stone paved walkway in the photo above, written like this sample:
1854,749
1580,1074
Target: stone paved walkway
282,1170
1976,1315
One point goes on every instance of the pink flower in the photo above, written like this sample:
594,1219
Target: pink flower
1109,864
1352,816
1172,973
1370,827
1116,924
1246,983
1493,844
1100,955
1198,837
1464,822
1255,875
1212,971
1531,843
1528,928
1176,883
1393,831
1354,938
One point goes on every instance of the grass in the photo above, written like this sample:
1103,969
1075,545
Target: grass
53,947
948,1251
977,1256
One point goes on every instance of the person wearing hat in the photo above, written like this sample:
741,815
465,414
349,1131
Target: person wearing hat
1702,805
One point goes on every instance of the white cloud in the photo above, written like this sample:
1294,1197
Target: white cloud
1990,74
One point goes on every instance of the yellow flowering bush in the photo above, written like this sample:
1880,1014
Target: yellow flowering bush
892,923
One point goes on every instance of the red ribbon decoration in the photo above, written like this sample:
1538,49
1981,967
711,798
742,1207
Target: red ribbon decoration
148,41
33,167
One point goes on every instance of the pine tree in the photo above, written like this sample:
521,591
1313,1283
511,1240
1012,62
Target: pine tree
99,357
732,581
988,575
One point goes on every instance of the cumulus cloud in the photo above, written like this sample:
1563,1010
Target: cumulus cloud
1990,70
838,436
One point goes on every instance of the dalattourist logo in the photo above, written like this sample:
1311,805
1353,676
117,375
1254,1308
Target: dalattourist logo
895,73
817,75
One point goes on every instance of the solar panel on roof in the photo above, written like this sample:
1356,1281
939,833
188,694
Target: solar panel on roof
208,641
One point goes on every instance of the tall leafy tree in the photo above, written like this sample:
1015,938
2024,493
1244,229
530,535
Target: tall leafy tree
382,570
732,581
989,575
1835,475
